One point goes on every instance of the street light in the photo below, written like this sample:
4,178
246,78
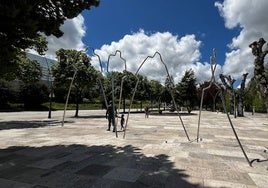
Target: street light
51,95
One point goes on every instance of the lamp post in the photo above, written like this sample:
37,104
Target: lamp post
51,94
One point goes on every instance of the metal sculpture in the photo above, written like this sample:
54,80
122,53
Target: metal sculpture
98,79
108,63
101,69
213,65
173,99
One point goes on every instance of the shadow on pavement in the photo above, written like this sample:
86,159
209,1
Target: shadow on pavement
4,125
82,166
89,116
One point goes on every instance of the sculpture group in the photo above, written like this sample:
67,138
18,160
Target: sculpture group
227,81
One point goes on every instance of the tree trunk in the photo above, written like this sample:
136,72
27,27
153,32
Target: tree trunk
259,72
240,109
241,95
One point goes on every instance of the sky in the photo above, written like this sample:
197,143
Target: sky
184,32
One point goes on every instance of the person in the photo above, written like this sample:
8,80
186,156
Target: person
110,115
146,112
122,122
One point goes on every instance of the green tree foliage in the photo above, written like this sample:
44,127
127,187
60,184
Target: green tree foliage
69,63
6,93
228,83
24,22
129,83
187,92
156,91
169,90
253,98
260,74
29,71
143,89
34,94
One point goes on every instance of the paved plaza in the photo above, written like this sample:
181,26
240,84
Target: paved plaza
39,152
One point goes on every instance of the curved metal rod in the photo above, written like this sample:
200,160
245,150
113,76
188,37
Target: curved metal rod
213,65
99,80
120,55
103,92
93,51
69,91
120,96
173,99
232,126
258,161
108,63
137,83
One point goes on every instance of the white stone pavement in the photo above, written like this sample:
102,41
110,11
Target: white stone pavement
39,152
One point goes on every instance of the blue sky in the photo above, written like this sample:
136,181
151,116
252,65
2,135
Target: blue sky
183,31
114,19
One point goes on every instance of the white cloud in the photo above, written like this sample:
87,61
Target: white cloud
251,17
179,54
74,30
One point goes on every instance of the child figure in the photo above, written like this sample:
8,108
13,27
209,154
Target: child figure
122,122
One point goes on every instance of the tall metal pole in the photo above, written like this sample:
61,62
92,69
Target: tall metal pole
50,88
68,95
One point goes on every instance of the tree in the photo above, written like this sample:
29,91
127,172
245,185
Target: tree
34,94
29,71
187,90
6,93
241,96
23,24
253,101
32,91
229,85
129,83
156,91
169,90
69,62
259,71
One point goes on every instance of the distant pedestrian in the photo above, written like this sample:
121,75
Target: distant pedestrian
110,115
146,110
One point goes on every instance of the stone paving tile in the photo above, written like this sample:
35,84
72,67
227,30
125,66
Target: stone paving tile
259,179
95,170
123,174
217,183
13,184
31,175
46,163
